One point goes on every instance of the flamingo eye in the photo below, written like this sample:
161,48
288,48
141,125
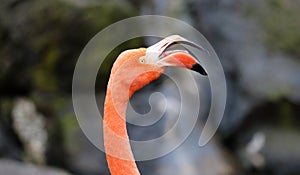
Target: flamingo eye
142,60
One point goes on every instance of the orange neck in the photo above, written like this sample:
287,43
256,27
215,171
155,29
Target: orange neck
116,142
123,82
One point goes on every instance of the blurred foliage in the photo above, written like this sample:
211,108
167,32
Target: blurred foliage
288,115
281,22
48,38
6,108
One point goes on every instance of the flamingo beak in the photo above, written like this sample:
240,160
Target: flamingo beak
157,54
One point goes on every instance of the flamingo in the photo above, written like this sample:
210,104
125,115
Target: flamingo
132,70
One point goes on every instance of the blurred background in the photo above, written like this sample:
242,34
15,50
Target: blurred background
258,43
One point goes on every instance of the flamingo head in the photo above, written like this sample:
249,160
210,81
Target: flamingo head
136,68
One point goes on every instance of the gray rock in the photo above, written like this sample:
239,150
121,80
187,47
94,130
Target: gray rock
265,150
255,74
10,167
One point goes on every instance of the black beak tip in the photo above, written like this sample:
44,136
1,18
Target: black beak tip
198,68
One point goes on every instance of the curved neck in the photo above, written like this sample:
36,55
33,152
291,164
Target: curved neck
123,83
116,142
